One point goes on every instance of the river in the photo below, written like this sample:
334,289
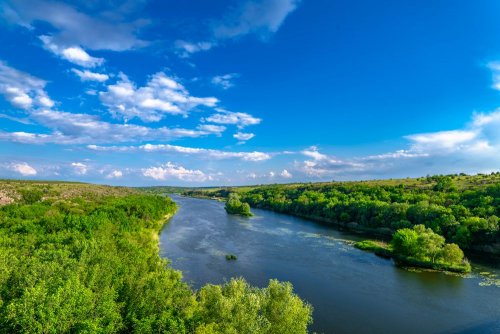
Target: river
352,291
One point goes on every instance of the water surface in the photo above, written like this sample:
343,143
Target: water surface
351,291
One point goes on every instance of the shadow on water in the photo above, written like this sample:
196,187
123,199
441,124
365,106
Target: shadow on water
352,291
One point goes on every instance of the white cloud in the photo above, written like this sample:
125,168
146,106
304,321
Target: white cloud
475,148
243,136
443,140
215,129
272,174
286,174
313,152
79,168
162,95
186,49
262,17
495,70
69,128
115,174
202,152
90,76
24,169
23,90
110,27
73,54
173,171
239,119
224,81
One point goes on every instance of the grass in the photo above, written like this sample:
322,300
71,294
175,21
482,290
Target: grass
378,247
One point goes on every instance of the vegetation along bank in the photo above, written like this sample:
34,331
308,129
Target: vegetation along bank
84,258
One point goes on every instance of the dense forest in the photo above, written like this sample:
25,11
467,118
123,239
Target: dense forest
78,258
463,209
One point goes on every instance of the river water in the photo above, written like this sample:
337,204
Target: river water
352,291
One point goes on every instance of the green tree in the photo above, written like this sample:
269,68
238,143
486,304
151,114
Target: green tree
236,207
452,254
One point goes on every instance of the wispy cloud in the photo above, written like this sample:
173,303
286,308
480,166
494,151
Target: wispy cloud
87,75
115,30
225,81
200,152
71,128
185,49
476,147
239,119
261,17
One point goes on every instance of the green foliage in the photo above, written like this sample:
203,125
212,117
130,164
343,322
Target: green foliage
236,207
421,245
31,195
230,257
89,263
462,209
238,308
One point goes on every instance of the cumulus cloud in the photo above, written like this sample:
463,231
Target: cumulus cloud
79,168
74,54
224,81
173,171
261,17
107,28
162,95
87,75
201,152
24,169
115,174
286,174
239,119
23,90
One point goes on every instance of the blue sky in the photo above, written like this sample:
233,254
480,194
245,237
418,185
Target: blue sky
238,92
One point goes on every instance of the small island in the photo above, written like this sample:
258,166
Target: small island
420,247
235,206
